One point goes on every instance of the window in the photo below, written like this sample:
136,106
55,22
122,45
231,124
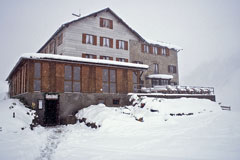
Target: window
156,82
37,77
120,44
164,51
59,39
72,79
109,81
156,68
89,56
164,81
89,39
106,23
138,62
106,42
146,49
121,59
135,82
155,50
172,69
105,57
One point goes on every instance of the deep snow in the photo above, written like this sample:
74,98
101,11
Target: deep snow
207,133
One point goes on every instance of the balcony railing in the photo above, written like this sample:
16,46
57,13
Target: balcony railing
168,89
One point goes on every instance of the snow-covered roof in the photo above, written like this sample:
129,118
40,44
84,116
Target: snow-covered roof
162,76
164,44
80,60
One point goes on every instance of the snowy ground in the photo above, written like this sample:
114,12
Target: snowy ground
203,132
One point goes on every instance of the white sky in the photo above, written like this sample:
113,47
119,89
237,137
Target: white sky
207,30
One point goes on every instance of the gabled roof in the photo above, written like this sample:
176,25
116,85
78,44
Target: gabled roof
93,14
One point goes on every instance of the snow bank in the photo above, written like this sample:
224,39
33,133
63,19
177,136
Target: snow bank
146,109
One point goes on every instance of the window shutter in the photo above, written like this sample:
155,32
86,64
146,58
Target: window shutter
95,40
169,68
111,42
101,22
167,51
117,59
111,24
110,58
84,55
159,50
126,45
101,41
84,38
94,56
101,57
174,69
125,60
117,44
151,49
142,47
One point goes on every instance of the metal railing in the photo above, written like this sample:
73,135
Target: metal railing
168,89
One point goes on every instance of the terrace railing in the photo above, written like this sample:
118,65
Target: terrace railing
168,89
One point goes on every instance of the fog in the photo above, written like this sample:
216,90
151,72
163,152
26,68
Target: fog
207,30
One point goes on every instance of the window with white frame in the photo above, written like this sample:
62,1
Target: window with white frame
106,42
89,56
121,45
106,23
164,51
156,68
146,48
89,39
155,50
106,57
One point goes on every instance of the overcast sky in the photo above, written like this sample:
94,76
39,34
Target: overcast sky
207,30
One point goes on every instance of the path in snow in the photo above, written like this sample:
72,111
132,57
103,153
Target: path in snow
53,141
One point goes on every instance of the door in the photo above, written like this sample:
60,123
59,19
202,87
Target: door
51,112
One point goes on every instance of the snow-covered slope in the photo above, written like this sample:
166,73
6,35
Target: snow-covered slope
167,131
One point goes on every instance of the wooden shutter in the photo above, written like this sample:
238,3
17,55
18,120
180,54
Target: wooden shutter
125,45
95,40
111,42
117,44
101,57
101,22
110,58
142,47
111,24
151,49
94,56
101,41
117,59
159,50
84,55
167,51
174,69
125,60
84,38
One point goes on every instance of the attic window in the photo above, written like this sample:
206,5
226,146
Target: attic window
106,23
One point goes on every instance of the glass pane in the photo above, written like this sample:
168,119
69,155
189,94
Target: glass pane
37,85
76,87
105,75
76,73
112,76
112,87
68,73
105,87
67,86
134,78
37,70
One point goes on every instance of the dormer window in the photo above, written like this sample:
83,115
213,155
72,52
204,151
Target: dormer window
106,23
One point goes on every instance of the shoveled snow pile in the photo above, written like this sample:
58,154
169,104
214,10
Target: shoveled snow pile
145,109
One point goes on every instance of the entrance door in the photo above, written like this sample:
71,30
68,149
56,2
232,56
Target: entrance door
51,112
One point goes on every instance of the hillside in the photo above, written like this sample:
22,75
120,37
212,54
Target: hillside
177,129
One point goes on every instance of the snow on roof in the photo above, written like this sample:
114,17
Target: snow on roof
162,76
80,59
164,44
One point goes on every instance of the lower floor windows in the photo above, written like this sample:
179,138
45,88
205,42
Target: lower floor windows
161,82
109,81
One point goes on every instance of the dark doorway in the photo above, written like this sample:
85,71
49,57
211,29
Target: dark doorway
51,112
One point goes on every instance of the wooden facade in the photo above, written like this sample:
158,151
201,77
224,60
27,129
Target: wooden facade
52,77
